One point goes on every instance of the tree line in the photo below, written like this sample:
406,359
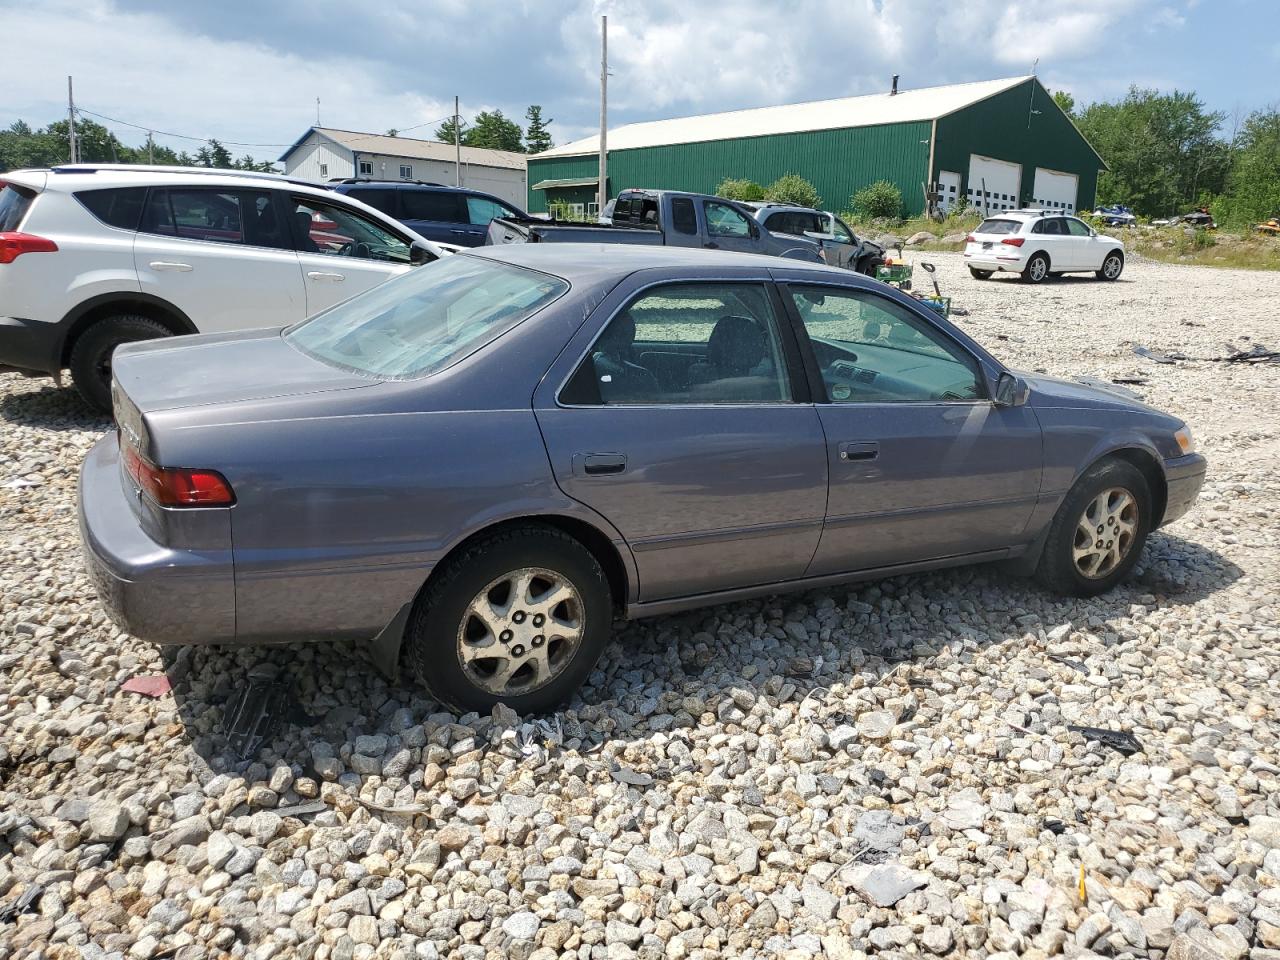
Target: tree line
496,132
21,147
1166,153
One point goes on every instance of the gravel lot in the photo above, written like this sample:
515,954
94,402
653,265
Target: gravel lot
884,769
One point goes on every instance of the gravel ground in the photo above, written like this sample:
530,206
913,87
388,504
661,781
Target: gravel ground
883,769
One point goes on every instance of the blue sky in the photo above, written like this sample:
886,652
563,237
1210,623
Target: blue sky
250,72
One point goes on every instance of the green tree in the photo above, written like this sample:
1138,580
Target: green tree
536,136
745,190
1163,150
881,200
1253,186
444,132
494,131
214,154
793,188
1066,101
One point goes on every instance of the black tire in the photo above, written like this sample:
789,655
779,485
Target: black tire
1037,269
434,637
91,353
1112,266
1058,569
980,274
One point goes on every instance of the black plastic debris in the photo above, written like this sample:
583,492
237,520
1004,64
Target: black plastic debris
1120,741
254,712
1054,826
1135,381
1075,665
303,809
1254,354
23,903
1150,354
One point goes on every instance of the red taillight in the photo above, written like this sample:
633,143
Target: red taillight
971,239
13,245
178,486
1013,241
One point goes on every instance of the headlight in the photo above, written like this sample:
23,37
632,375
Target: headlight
1186,442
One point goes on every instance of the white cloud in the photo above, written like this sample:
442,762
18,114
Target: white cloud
141,68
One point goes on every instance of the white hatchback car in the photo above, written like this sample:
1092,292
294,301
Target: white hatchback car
1040,244
93,256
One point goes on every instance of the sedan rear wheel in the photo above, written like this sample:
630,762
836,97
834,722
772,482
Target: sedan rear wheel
1037,269
518,617
1098,532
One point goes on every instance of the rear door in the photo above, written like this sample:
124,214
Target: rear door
1050,235
439,215
683,421
341,251
221,255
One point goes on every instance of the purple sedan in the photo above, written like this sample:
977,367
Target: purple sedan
482,463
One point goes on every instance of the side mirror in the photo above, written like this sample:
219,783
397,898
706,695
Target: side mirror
1011,391
420,253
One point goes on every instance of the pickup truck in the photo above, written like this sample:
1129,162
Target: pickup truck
664,217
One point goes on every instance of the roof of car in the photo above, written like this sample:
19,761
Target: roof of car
592,261
81,175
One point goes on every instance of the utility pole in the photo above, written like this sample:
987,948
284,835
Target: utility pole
151,148
602,197
317,111
71,120
457,146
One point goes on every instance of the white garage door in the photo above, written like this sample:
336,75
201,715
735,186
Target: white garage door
1055,191
998,178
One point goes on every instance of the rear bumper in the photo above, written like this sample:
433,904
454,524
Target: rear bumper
30,346
1184,477
994,259
152,591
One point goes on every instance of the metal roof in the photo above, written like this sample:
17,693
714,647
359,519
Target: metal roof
926,103
412,149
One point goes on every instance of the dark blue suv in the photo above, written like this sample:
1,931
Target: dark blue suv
444,214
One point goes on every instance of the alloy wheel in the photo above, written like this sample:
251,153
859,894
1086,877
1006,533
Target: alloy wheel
521,631
1105,533
1111,267
1038,269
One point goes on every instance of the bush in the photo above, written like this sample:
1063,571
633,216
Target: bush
742,190
882,200
794,189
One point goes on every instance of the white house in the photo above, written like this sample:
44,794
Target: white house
323,153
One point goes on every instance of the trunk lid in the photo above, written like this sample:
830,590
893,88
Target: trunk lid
246,365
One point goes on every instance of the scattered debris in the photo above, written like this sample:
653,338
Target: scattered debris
1255,354
253,713
1167,358
1109,385
154,685
1075,665
1054,826
17,483
303,809
1135,381
408,810
1118,740
22,904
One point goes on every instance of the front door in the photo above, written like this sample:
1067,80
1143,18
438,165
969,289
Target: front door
221,255
922,464
728,228
1087,251
680,427
341,251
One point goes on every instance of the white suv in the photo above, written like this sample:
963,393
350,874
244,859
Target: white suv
1039,244
95,256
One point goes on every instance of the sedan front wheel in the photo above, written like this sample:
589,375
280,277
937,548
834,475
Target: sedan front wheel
1098,532
519,617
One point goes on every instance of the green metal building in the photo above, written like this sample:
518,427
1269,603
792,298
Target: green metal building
1000,144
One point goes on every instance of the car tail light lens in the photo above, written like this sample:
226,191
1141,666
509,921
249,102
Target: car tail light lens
13,245
1013,241
971,239
178,486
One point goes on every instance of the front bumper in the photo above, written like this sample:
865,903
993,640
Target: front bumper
30,346
155,592
1184,476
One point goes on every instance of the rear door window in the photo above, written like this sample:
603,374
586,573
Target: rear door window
438,205
683,217
117,207
14,203
382,200
221,216
998,226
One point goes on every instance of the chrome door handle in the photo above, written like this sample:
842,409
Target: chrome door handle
318,275
463,233
867,450
170,266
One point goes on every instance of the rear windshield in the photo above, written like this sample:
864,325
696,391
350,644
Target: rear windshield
999,226
427,320
14,203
